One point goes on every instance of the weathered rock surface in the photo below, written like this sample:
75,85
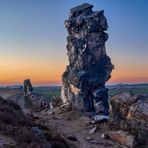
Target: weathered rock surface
56,101
123,138
74,127
6,141
130,113
36,102
89,66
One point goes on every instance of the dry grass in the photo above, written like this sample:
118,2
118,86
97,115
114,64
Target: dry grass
15,124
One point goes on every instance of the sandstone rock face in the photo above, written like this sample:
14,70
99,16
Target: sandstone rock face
123,138
89,66
130,113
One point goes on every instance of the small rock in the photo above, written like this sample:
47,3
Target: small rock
85,120
72,138
92,131
89,138
103,136
94,141
66,107
34,116
51,112
123,138
39,133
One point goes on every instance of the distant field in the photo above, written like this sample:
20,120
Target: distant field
48,91
51,91
133,88
113,92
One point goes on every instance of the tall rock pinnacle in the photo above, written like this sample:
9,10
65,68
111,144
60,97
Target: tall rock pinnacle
83,82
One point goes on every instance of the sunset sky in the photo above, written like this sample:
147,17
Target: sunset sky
33,39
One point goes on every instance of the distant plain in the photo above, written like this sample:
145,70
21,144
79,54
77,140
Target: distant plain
50,91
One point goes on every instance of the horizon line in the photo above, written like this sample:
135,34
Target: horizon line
43,85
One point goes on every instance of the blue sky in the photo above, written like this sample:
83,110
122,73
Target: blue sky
33,31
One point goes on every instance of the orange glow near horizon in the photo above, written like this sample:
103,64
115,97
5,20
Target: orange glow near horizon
14,71
128,73
52,76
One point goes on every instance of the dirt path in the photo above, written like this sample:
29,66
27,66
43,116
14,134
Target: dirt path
74,127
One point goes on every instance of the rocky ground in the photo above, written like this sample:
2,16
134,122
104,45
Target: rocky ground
74,127
18,129
54,127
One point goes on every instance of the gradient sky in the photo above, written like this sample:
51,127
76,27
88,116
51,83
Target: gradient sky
33,39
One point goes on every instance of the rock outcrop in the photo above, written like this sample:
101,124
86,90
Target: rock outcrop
36,102
123,138
89,67
130,113
27,87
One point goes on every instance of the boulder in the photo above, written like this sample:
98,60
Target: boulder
85,120
36,102
130,113
123,138
56,101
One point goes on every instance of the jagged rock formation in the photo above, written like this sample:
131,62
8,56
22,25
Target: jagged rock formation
89,66
130,113
27,86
